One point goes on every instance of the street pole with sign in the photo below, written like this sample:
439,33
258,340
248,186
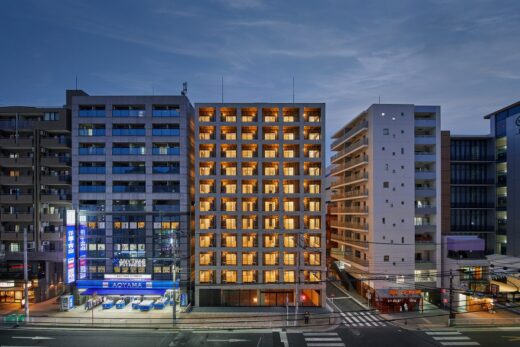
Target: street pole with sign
25,275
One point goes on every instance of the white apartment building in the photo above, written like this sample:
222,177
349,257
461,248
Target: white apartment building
259,204
385,192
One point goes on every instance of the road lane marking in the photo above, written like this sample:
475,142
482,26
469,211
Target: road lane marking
320,334
443,333
323,339
464,343
452,338
326,344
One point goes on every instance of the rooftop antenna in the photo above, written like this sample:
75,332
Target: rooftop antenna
380,99
76,82
184,88
222,89
293,89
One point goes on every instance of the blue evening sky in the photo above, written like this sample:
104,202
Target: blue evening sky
462,55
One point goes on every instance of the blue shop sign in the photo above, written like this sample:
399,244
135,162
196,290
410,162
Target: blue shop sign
127,284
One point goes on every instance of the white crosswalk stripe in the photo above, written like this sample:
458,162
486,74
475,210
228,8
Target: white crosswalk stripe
329,339
451,338
363,319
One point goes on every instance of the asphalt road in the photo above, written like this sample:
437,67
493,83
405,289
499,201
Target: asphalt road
342,336
126,338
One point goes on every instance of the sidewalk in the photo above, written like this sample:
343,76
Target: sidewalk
47,313
434,318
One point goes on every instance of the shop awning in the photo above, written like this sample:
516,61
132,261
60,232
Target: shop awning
398,293
123,291
504,287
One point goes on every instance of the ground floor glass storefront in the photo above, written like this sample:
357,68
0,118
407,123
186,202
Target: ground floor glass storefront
257,297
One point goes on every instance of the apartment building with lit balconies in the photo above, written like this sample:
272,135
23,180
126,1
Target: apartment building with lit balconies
259,204
385,222
35,193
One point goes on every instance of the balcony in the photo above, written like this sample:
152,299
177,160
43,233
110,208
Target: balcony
352,179
425,209
348,240
16,180
17,217
421,156
424,175
52,236
91,113
128,113
60,161
56,198
51,218
424,192
362,160
352,132
16,162
56,180
11,143
425,228
350,225
16,199
91,151
350,210
128,208
348,257
57,142
350,149
425,139
425,123
351,195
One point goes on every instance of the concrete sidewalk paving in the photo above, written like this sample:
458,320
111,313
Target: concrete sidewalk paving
48,313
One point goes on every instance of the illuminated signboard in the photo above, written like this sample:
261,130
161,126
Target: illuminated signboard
71,247
82,251
134,277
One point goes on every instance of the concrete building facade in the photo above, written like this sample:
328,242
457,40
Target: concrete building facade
386,191
35,192
260,204
505,128
131,184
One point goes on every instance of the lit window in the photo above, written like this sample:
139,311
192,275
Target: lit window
288,276
270,241
271,258
289,241
289,188
229,259
249,240
314,171
289,259
271,276
249,276
249,258
206,276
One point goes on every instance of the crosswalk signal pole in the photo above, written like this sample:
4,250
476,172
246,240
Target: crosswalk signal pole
452,313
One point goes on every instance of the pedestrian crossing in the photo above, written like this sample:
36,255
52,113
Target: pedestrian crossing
363,319
451,338
325,339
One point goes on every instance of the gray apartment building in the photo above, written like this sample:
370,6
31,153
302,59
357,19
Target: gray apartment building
34,196
259,204
505,128
131,184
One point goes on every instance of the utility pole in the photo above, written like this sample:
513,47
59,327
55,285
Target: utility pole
452,313
25,275
174,273
296,284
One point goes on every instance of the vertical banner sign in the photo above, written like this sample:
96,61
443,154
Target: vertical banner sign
82,251
71,247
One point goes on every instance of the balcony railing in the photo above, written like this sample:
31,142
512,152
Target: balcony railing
349,210
350,225
341,238
350,179
347,256
350,133
354,194
356,145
